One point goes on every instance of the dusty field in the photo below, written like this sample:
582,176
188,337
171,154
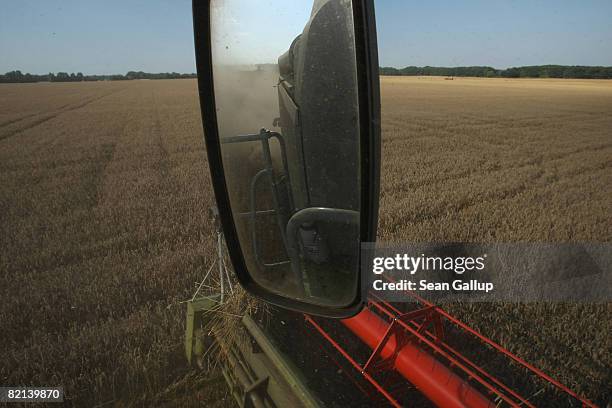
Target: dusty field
103,226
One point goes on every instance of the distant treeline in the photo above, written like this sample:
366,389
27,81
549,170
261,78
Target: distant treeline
535,71
19,77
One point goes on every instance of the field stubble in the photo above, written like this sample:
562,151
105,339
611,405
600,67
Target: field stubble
104,230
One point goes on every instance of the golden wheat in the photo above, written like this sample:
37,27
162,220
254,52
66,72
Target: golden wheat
104,228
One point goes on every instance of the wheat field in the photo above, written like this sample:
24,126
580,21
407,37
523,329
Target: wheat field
104,192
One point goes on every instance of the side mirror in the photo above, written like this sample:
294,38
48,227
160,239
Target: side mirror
291,113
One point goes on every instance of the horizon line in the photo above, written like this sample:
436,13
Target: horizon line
267,63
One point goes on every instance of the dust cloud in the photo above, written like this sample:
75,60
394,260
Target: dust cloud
247,101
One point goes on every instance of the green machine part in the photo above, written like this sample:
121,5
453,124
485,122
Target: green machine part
194,337
257,373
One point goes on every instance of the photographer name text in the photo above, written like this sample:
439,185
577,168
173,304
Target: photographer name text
411,265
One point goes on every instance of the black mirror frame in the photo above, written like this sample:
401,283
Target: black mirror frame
369,111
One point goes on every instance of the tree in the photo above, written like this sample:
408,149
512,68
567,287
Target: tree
62,77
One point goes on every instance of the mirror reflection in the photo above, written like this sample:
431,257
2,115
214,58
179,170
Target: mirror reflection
287,111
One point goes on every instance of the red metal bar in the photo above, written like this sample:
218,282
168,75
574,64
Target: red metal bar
443,387
353,362
435,344
431,376
450,349
502,350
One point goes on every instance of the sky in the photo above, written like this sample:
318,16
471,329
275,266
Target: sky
95,37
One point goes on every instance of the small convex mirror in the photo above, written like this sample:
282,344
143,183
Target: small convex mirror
290,140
